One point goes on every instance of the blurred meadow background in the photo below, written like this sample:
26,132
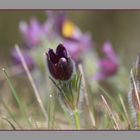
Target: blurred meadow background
121,28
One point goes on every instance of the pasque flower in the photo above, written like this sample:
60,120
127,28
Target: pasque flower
63,26
61,68
31,32
60,64
108,66
77,48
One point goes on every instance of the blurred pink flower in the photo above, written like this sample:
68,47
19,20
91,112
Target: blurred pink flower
31,32
108,66
77,48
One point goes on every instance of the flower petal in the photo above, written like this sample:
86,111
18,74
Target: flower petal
53,57
61,51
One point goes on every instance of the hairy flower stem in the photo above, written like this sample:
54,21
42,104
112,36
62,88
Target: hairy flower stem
76,119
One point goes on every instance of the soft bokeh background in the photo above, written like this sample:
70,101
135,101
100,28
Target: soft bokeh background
122,28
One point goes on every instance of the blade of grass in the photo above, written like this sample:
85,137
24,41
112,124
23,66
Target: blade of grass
125,111
10,114
86,96
37,95
110,98
135,88
12,71
51,111
138,120
110,112
10,123
33,121
22,109
51,106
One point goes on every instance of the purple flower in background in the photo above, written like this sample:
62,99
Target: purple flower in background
17,61
63,26
77,48
55,20
31,32
60,64
108,66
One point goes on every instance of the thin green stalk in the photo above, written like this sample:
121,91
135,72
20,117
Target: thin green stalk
36,92
138,120
125,112
10,123
113,100
51,112
10,113
61,91
76,119
16,97
110,113
83,82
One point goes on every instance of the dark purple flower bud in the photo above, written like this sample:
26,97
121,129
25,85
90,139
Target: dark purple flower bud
17,61
59,63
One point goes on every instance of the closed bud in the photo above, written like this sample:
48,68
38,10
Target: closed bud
60,63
